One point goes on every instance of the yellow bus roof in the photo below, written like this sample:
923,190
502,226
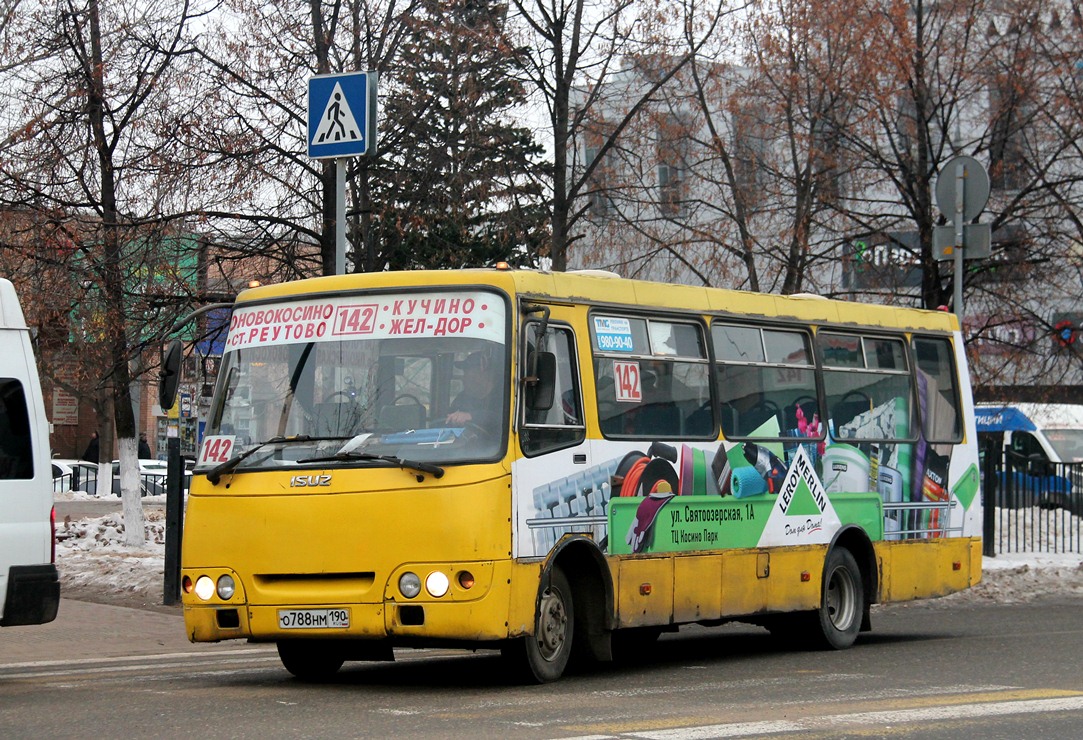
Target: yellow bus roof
596,287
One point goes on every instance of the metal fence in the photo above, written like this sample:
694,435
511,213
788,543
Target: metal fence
86,479
1031,505
81,478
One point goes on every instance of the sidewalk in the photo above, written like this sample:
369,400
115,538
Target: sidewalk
85,630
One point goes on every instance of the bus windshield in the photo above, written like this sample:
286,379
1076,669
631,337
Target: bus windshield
417,376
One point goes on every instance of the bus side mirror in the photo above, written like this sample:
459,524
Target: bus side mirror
541,387
169,374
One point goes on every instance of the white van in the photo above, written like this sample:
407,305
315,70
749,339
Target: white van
1043,442
29,587
1050,431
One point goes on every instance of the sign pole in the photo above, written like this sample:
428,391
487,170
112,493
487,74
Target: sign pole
341,124
169,378
340,215
174,518
961,198
960,191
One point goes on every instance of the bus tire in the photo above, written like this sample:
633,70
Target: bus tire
842,602
543,656
310,660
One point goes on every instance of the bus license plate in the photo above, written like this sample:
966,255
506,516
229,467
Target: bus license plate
313,619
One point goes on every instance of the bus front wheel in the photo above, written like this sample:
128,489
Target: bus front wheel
310,660
543,656
842,602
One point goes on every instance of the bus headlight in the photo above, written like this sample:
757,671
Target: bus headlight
204,587
226,587
437,584
409,585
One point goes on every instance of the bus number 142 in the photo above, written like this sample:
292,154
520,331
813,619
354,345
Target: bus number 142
628,386
355,319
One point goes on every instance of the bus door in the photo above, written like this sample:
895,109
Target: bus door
556,490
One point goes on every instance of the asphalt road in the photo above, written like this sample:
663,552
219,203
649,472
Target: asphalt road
927,670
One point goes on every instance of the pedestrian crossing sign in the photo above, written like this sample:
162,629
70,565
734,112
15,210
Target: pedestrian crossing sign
341,115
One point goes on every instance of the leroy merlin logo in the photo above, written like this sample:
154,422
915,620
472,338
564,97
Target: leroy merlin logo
802,514
796,497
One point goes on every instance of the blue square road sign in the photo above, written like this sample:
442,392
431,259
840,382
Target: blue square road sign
341,115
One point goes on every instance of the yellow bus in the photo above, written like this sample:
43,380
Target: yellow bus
565,465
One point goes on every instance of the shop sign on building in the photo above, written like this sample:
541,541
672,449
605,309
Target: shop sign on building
65,408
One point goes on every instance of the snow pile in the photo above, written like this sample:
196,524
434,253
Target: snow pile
1020,577
93,559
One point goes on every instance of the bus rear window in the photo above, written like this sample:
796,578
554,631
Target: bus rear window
938,393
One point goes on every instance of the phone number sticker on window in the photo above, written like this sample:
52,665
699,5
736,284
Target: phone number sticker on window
313,619
613,334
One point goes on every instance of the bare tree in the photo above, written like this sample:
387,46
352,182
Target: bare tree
995,82
663,201
571,52
741,187
86,151
280,202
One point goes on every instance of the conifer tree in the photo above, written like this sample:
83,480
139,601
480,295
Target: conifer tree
459,187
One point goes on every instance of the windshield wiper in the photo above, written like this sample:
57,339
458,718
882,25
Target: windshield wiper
434,470
215,474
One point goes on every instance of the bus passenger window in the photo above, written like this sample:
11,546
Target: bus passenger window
764,377
763,413
652,378
938,393
868,385
561,425
658,413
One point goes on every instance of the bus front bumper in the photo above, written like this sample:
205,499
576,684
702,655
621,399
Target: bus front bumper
404,623
479,614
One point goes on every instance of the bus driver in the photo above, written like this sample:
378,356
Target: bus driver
475,405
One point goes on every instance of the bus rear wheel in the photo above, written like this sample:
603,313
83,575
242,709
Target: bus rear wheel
310,660
543,656
841,603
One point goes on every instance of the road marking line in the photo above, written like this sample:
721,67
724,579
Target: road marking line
879,718
204,655
123,669
135,658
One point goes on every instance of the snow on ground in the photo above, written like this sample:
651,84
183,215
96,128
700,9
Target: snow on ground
1019,577
93,559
